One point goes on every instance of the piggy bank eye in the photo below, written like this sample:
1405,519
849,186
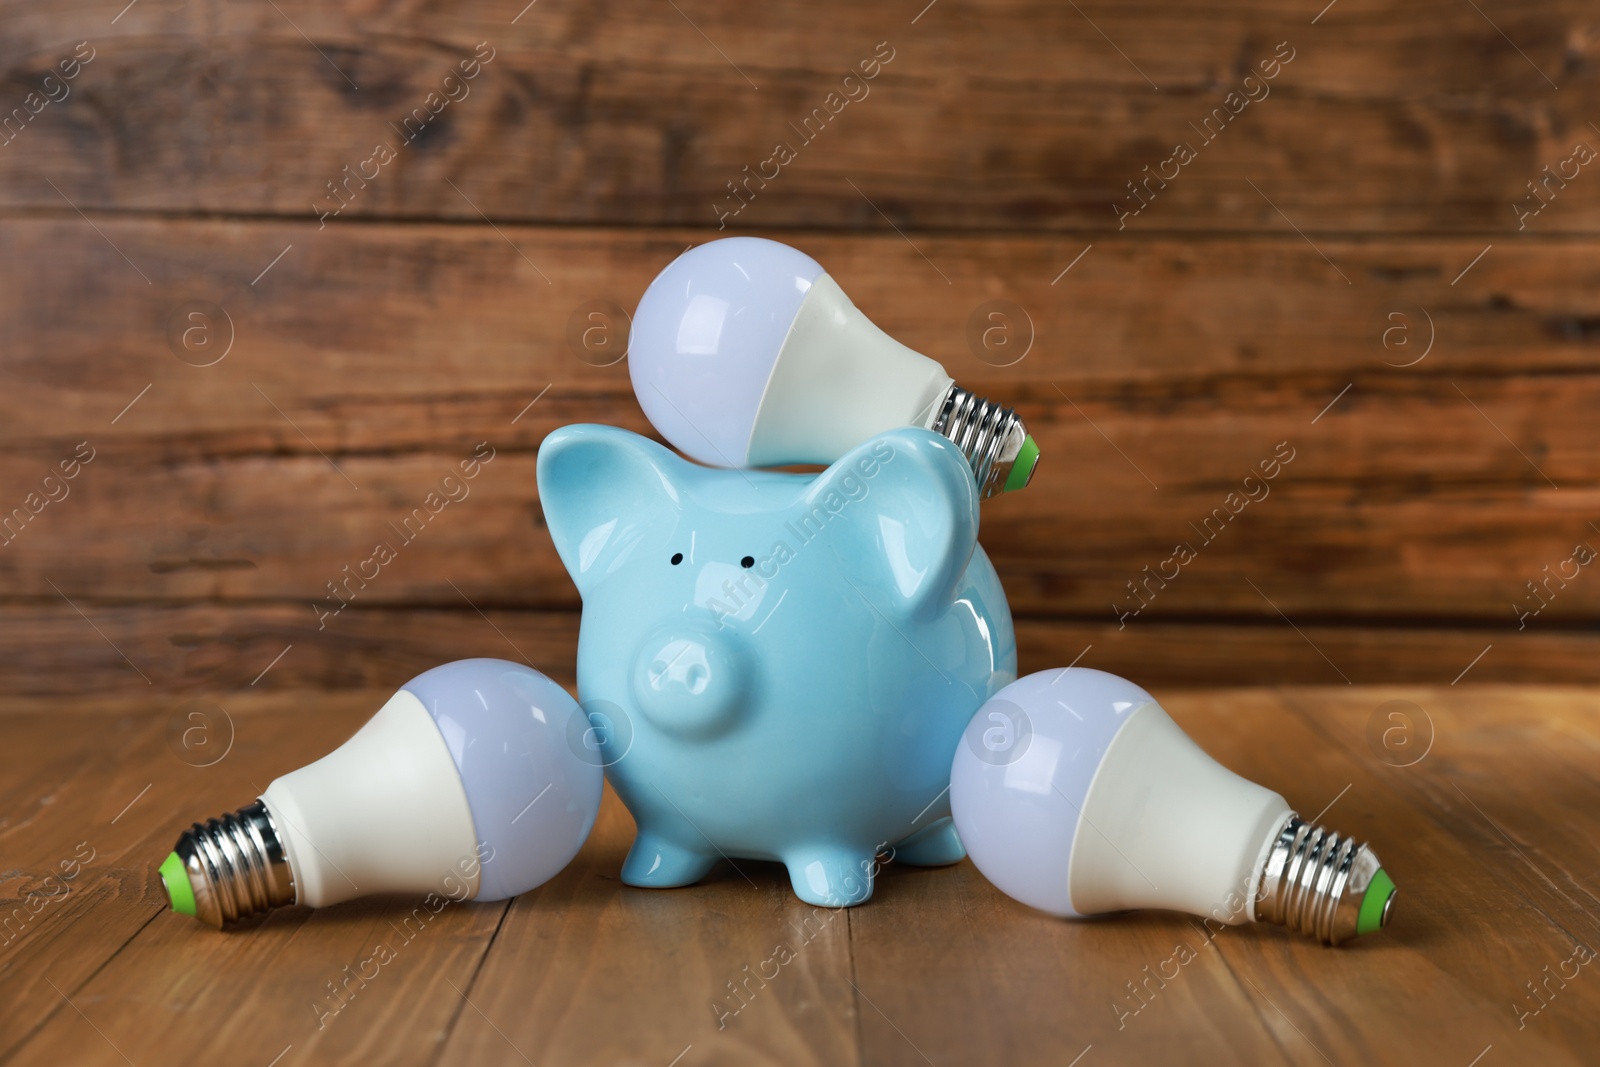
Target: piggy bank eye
677,558
747,562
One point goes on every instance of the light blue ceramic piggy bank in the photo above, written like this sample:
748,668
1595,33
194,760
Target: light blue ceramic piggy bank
779,666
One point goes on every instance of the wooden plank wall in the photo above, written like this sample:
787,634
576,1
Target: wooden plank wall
1352,270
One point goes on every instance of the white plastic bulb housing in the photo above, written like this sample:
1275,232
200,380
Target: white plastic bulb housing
1076,793
744,352
465,783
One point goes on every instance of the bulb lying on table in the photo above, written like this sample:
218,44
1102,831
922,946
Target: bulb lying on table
464,783
745,353
1075,792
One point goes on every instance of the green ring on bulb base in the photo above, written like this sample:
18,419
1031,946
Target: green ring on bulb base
1022,467
176,880
1374,912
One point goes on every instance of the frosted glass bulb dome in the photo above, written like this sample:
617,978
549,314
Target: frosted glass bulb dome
465,783
744,352
1076,793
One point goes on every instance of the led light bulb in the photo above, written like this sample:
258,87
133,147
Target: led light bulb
465,783
1074,792
745,353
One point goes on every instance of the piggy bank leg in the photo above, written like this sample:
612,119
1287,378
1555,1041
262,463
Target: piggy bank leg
832,877
935,845
656,863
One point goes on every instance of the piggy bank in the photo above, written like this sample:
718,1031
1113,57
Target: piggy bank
778,666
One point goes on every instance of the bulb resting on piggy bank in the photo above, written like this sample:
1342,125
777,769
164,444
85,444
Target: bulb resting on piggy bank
779,666
746,353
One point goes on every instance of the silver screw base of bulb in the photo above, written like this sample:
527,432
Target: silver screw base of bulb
992,438
236,865
1315,882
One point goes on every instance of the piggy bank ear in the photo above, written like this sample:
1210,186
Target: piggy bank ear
904,512
607,495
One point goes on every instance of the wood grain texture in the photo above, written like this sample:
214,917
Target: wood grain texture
1489,836
371,360
362,332
1324,541
165,656
1015,115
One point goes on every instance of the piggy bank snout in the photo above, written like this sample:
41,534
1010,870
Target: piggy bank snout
690,681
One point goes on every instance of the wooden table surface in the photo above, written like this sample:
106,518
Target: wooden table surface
1486,809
